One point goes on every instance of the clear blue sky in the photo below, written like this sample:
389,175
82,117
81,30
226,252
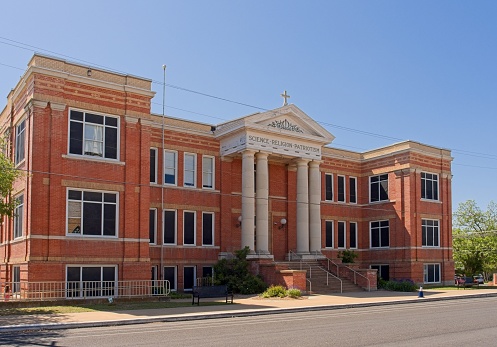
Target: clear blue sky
373,72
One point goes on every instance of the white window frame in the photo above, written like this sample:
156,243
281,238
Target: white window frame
344,188
101,266
20,149
155,226
344,224
155,164
356,240
81,212
19,217
435,230
16,279
173,286
436,268
187,171
205,172
103,126
425,181
166,169
379,188
175,227
194,228
354,189
332,190
212,228
380,240
332,234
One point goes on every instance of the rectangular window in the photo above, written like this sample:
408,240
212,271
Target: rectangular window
91,213
93,135
383,271
152,225
153,274
188,228
341,189
353,190
378,188
90,281
170,167
328,180
341,235
19,217
353,234
207,229
429,186
20,142
208,172
170,274
431,273
153,165
380,231
189,170
329,233
188,278
16,279
430,232
169,225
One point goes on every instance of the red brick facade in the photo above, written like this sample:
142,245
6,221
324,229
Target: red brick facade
46,244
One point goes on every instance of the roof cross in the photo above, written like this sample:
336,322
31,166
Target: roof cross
285,96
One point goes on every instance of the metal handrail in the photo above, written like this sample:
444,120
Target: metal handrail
328,273
354,271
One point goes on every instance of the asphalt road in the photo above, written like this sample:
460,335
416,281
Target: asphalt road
442,323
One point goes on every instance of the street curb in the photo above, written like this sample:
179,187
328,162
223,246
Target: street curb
228,314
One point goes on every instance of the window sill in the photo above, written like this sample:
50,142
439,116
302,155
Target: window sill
430,200
91,237
381,202
93,159
380,248
430,247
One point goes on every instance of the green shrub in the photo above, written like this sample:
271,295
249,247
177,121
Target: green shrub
397,285
236,275
274,291
347,256
294,293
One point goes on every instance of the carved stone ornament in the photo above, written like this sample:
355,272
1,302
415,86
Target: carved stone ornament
285,125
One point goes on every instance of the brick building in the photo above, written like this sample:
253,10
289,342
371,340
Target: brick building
115,192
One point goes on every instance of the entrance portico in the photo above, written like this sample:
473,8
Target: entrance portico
284,135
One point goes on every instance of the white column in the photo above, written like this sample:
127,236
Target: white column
262,203
248,207
302,206
314,207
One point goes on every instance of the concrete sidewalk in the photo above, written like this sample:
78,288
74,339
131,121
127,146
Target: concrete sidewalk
243,306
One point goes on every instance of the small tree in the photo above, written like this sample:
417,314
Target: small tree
236,275
347,256
8,175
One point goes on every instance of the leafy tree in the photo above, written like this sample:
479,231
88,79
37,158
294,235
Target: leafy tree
8,175
236,275
475,238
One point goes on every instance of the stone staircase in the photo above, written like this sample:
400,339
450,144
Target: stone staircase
321,281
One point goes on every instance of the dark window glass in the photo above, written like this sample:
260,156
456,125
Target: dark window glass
75,194
341,189
380,234
207,271
207,229
153,168
189,228
189,277
92,196
169,275
111,121
169,226
329,233
329,187
341,235
109,220
152,225
76,138
352,190
378,188
110,197
383,271
92,219
353,235
93,118
77,115
110,143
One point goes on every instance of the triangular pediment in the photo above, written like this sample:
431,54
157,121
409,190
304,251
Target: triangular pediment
288,120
